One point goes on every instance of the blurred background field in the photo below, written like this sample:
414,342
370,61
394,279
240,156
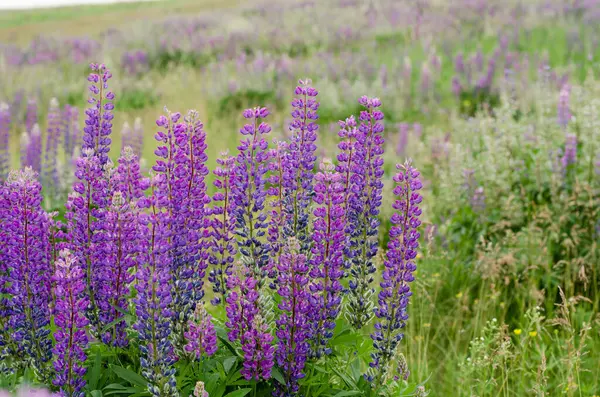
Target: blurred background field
495,101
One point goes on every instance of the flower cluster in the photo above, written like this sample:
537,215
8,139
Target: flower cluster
299,163
363,201
98,124
28,279
294,328
50,176
70,335
399,267
201,337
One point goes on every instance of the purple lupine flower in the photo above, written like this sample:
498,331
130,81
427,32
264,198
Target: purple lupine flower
222,241
28,277
24,142
5,118
201,336
33,151
249,193
154,301
277,216
31,114
403,129
50,175
300,162
190,221
363,210
258,351
118,248
294,329
327,261
563,111
138,136
70,119
399,267
98,124
456,86
126,136
85,210
6,350
199,390
128,179
570,154
70,335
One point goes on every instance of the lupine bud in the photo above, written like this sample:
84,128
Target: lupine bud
394,296
70,335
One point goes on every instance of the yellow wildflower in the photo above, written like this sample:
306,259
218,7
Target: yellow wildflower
459,295
517,331
533,334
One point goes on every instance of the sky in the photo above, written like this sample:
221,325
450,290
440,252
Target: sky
25,4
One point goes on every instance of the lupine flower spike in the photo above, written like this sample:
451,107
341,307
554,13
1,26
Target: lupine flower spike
395,292
364,202
71,337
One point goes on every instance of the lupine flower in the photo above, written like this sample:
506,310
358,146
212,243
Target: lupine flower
154,301
249,193
138,136
563,111
399,267
84,213
293,325
570,154
50,175
5,118
246,324
403,130
70,119
24,142
29,274
327,261
6,351
258,351
117,247
126,136
363,211
128,179
98,124
277,215
70,335
199,390
300,162
222,243
33,152
201,336
31,114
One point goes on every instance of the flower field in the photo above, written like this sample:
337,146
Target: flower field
298,198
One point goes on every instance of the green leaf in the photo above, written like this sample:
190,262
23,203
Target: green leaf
130,376
239,393
116,388
95,373
96,393
348,393
228,363
277,375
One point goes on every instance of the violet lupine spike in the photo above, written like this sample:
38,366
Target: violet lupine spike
327,261
85,210
258,351
33,152
6,349
70,128
249,193
277,214
128,178
28,281
190,221
570,155
201,336
294,324
300,163
31,115
154,301
126,136
118,247
24,142
563,110
98,123
222,242
138,136
393,298
5,120
50,175
363,211
70,334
